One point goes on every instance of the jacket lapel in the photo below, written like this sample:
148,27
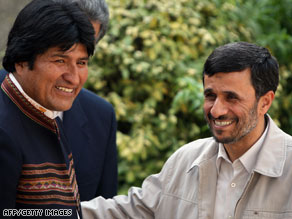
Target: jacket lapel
76,128
206,164
272,156
207,188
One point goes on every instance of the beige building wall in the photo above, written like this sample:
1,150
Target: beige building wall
8,12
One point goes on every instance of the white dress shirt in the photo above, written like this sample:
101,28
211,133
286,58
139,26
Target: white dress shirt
232,178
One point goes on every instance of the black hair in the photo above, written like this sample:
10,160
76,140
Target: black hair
240,56
43,24
97,10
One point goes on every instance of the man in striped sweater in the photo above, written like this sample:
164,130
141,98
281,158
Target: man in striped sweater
51,128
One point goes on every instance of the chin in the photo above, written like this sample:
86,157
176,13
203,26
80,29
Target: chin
226,140
64,108
61,107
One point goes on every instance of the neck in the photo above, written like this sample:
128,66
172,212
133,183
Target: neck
49,113
237,149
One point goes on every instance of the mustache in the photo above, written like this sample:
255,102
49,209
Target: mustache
210,117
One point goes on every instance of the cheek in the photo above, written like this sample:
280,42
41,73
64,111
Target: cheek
240,112
207,107
83,77
242,108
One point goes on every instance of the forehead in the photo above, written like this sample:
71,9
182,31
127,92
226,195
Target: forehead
79,50
238,82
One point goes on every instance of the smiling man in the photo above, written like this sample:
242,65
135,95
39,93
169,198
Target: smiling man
57,140
56,77
232,110
243,171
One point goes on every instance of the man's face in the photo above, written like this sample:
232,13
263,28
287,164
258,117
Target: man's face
57,76
230,106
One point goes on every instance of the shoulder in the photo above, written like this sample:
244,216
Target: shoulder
196,147
288,142
175,171
91,107
91,101
196,151
9,113
276,134
3,73
87,96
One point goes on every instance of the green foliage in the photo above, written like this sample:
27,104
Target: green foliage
272,28
276,32
149,67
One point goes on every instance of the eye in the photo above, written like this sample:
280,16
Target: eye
83,63
60,61
210,96
232,96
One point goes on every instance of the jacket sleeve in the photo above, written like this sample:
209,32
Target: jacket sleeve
141,202
109,179
10,170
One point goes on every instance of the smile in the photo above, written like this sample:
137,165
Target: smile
222,123
67,90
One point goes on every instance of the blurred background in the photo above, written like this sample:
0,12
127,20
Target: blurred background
8,11
149,66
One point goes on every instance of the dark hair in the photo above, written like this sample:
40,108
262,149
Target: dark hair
96,10
242,55
43,24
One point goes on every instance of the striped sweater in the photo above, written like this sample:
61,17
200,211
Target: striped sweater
36,164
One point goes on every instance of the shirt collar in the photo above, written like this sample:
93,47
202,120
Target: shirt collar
49,113
248,159
221,155
271,158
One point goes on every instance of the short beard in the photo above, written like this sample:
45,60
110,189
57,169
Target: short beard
250,125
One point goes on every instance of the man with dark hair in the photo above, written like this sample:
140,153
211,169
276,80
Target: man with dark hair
97,11
98,14
51,128
243,171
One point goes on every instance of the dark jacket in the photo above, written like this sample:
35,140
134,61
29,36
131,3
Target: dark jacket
36,152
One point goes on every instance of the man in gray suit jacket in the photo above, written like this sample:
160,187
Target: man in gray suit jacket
243,171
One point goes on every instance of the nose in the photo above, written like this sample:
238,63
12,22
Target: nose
72,74
219,108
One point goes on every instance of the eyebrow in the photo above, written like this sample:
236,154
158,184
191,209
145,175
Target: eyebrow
66,56
232,93
85,58
210,90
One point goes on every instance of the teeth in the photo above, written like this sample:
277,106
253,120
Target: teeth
222,123
65,89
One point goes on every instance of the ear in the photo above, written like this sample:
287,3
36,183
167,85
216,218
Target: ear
20,67
265,102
